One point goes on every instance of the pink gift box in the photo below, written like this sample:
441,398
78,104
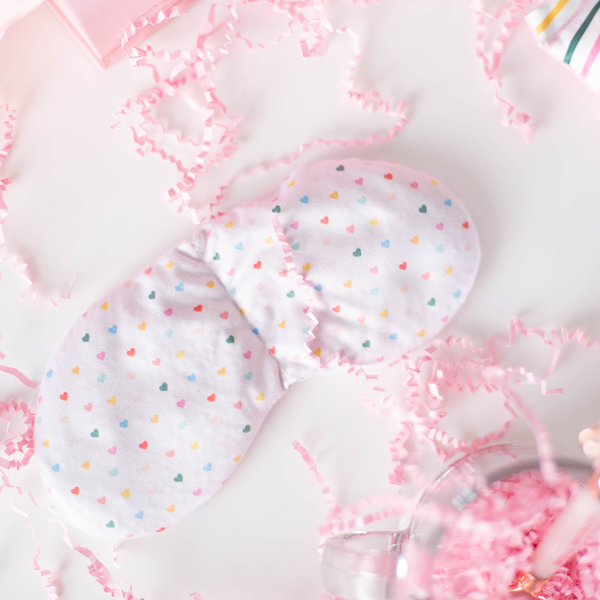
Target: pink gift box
98,25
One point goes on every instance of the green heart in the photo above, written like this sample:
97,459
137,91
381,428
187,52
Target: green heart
246,429
164,387
110,524
95,433
217,256
291,294
367,344
423,209
340,168
357,252
277,209
179,477
86,338
230,339
431,302
152,295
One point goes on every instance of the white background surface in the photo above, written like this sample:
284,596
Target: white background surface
83,203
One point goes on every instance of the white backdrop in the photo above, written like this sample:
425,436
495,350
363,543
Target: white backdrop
83,203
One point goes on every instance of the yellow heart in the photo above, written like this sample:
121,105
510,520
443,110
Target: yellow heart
154,419
125,493
282,325
317,352
104,306
421,333
86,465
449,271
210,284
194,446
171,508
222,371
237,458
142,327
292,183
434,182
112,400
169,265
229,225
373,221
261,396
415,240
243,311
46,444
306,267
335,195
269,240
348,284
384,312
75,371
180,354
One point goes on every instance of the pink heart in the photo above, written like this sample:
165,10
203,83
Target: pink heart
445,319
294,225
181,403
350,229
327,242
171,453
260,286
146,467
392,197
468,247
112,450
88,407
156,361
132,375
238,404
224,315
404,288
102,500
127,284
296,357
439,226
251,221
361,319
282,273
231,272
101,356
425,276
64,420
374,270
129,306
197,492
305,310
248,354
169,312
414,185
381,358
359,181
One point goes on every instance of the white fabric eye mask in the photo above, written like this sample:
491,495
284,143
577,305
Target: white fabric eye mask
158,390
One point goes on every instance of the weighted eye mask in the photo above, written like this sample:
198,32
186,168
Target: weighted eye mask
159,388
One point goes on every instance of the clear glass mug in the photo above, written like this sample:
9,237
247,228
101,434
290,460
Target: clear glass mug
377,565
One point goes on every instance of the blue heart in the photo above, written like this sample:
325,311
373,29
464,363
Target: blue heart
192,377
457,294
113,472
110,524
304,199
232,291
123,423
362,200
431,302
217,256
169,333
255,330
95,433
163,387
306,330
277,209
375,291
39,420
296,246
448,202
56,468
49,373
385,244
86,338
182,425
239,246
246,429
318,287
139,514
291,294
440,248
393,336
101,378
248,376
230,340
179,287
178,478
152,295
113,329
207,467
